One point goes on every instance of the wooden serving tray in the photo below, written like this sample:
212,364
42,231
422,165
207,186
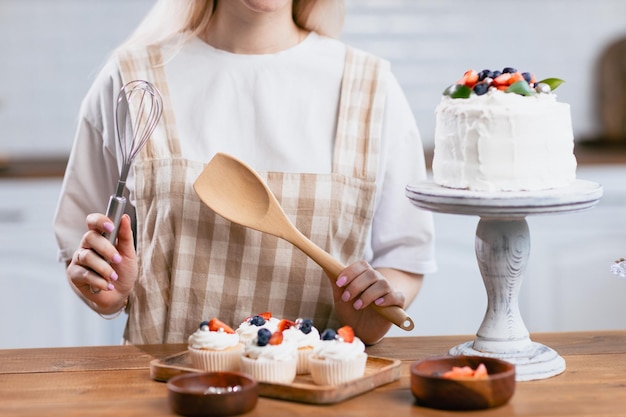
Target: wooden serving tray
378,371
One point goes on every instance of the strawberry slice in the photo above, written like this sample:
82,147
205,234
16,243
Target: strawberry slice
276,339
266,315
481,371
470,78
284,324
502,79
346,333
515,78
216,324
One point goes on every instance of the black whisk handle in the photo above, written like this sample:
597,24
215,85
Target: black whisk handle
115,210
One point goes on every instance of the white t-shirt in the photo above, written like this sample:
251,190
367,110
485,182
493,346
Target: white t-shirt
276,112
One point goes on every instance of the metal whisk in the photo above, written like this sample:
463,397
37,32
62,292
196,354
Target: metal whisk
144,99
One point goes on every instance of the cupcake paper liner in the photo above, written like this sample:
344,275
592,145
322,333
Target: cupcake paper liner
303,361
276,372
332,372
216,360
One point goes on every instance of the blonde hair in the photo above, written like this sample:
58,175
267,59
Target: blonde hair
168,18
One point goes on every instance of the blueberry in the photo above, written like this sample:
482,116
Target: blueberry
306,325
328,334
510,70
257,321
496,74
481,88
527,76
202,324
485,74
263,337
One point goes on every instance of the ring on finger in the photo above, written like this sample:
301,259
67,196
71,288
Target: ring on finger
81,252
94,290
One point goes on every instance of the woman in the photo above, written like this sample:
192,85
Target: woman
328,128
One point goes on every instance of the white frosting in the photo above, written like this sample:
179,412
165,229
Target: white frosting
247,332
338,350
203,338
285,351
503,142
300,339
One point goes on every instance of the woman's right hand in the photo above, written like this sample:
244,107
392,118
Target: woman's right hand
101,272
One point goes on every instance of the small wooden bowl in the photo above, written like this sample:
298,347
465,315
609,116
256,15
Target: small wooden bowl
431,389
212,394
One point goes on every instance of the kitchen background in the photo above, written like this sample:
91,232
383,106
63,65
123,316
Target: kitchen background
50,51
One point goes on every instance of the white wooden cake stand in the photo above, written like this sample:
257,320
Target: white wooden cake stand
502,247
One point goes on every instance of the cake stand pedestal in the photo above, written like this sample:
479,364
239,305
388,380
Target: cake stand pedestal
502,246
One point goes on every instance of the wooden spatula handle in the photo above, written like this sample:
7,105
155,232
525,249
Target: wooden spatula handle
395,315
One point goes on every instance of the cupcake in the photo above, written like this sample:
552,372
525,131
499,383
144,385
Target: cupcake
215,346
306,337
248,328
339,357
270,358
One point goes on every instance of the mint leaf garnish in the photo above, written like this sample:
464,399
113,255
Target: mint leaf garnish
458,91
552,82
521,88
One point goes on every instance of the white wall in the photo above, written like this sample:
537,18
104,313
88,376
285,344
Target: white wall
430,43
51,51
37,306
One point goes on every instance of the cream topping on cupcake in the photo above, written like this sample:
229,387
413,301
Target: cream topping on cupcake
262,350
248,329
203,338
303,334
282,352
338,350
341,345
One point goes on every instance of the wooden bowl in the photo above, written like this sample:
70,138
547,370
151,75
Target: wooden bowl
212,394
431,389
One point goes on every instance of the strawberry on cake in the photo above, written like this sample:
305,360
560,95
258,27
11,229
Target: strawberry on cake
503,131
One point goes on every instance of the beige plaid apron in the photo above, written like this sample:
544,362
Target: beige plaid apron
195,265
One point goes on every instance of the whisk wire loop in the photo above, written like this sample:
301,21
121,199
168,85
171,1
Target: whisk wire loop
142,100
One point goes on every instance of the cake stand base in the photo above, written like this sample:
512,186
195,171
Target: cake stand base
538,362
502,246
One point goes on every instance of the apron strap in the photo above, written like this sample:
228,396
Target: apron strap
360,120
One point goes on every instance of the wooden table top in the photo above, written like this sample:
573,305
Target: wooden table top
115,381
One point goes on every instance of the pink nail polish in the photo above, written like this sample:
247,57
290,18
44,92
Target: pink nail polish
114,276
108,226
345,296
110,287
342,281
357,304
116,259
379,301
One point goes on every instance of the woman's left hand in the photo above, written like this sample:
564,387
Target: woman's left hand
363,285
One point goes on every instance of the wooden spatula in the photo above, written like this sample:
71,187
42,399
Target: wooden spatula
236,192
